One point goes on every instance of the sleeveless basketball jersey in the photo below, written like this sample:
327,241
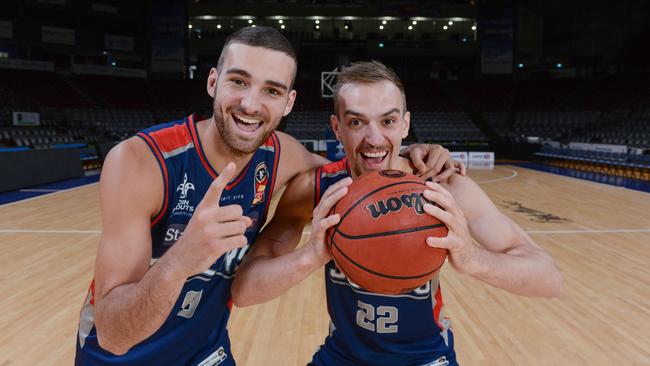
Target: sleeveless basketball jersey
195,331
373,329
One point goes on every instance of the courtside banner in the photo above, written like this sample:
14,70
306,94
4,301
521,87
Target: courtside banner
460,156
481,156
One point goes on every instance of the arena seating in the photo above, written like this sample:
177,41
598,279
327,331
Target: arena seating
599,157
308,125
445,127
81,109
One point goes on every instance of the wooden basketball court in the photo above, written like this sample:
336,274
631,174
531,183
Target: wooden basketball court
599,236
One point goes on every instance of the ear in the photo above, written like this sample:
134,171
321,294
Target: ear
212,82
336,126
407,124
292,99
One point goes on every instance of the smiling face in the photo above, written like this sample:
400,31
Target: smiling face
251,94
370,122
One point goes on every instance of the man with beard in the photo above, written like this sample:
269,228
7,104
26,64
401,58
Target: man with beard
180,204
370,121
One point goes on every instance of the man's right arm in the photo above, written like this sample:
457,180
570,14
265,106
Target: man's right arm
131,300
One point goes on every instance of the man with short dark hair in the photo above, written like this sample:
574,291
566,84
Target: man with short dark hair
181,203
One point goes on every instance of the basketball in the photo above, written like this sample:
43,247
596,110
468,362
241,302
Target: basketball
379,243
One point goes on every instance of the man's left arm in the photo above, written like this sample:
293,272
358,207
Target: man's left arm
506,257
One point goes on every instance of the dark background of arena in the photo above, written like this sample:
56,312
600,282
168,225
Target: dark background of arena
565,85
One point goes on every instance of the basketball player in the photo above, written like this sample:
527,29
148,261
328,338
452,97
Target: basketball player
370,329
180,204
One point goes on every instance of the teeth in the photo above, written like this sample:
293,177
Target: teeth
376,154
246,120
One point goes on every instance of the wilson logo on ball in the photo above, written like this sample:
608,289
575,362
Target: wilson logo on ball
413,201
390,173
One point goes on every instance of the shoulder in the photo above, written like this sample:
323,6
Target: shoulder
289,143
298,198
470,197
295,159
131,152
131,170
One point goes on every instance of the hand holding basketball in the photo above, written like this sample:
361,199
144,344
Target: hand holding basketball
322,220
458,240
213,229
379,242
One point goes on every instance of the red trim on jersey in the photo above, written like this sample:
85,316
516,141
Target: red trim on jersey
161,161
171,138
273,141
317,192
91,291
197,145
241,176
230,303
438,308
204,160
336,166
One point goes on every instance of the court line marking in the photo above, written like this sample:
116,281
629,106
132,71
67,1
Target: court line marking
511,176
307,232
577,231
589,231
30,231
39,190
47,195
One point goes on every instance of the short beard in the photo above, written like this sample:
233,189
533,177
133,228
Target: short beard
237,147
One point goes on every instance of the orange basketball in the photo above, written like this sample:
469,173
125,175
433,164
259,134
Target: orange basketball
379,244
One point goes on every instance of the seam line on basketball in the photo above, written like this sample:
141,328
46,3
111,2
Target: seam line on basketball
387,233
381,274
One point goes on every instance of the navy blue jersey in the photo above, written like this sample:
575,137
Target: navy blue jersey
195,331
372,329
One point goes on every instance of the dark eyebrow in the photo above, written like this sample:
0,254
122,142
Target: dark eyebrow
246,74
348,111
277,84
239,71
394,110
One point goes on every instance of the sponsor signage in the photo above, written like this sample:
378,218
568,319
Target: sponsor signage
26,118
57,35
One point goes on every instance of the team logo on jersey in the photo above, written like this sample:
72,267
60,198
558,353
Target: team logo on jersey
185,187
183,205
261,179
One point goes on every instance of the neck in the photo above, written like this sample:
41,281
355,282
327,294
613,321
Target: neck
404,164
216,150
